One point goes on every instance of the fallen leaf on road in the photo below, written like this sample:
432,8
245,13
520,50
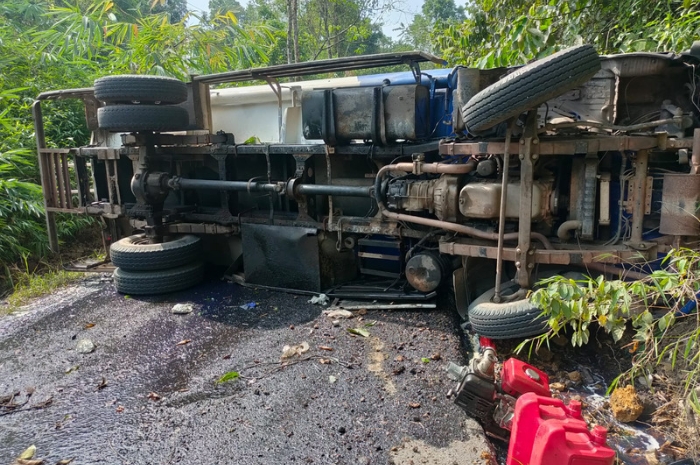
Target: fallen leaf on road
183,342
324,361
28,462
28,453
226,357
120,409
332,379
102,384
230,376
359,331
64,461
88,325
425,360
335,314
362,311
414,404
329,349
436,356
291,351
154,397
71,369
369,324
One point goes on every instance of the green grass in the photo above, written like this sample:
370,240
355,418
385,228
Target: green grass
31,285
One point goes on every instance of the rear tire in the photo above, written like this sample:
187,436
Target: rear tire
132,118
159,281
530,86
134,253
129,88
509,320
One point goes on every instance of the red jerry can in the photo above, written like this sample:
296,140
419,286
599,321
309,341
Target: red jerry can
546,431
567,443
518,377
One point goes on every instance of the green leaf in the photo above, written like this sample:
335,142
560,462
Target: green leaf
425,360
359,331
230,376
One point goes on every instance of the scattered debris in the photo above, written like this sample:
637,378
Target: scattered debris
182,309
329,349
65,461
28,453
183,342
291,351
102,384
230,376
88,325
557,386
626,404
363,306
248,306
324,361
332,379
336,323
71,369
425,360
321,299
359,332
120,409
85,346
414,404
575,376
339,314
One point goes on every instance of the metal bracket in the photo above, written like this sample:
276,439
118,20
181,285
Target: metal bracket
529,152
277,89
415,69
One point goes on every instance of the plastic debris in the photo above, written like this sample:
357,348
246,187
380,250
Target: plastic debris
182,309
248,306
321,299
292,351
85,346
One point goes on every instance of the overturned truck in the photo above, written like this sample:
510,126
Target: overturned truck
390,185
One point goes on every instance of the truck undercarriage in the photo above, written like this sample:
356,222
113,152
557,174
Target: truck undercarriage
482,179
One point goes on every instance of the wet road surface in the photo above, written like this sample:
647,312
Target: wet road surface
144,396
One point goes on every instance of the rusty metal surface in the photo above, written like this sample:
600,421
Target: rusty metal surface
680,209
380,114
558,146
424,272
640,186
551,257
281,256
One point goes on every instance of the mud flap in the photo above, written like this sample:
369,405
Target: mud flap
281,256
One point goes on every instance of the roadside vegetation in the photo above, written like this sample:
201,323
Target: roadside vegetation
655,321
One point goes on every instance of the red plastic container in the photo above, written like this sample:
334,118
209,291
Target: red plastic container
545,431
518,377
567,443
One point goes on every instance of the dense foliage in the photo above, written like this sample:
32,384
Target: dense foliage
506,32
51,44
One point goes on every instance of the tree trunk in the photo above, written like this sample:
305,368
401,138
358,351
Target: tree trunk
290,30
295,32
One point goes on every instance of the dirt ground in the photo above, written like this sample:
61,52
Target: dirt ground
148,393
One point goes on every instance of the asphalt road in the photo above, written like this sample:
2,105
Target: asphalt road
148,394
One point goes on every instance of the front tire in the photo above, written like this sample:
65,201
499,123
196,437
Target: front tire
508,320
